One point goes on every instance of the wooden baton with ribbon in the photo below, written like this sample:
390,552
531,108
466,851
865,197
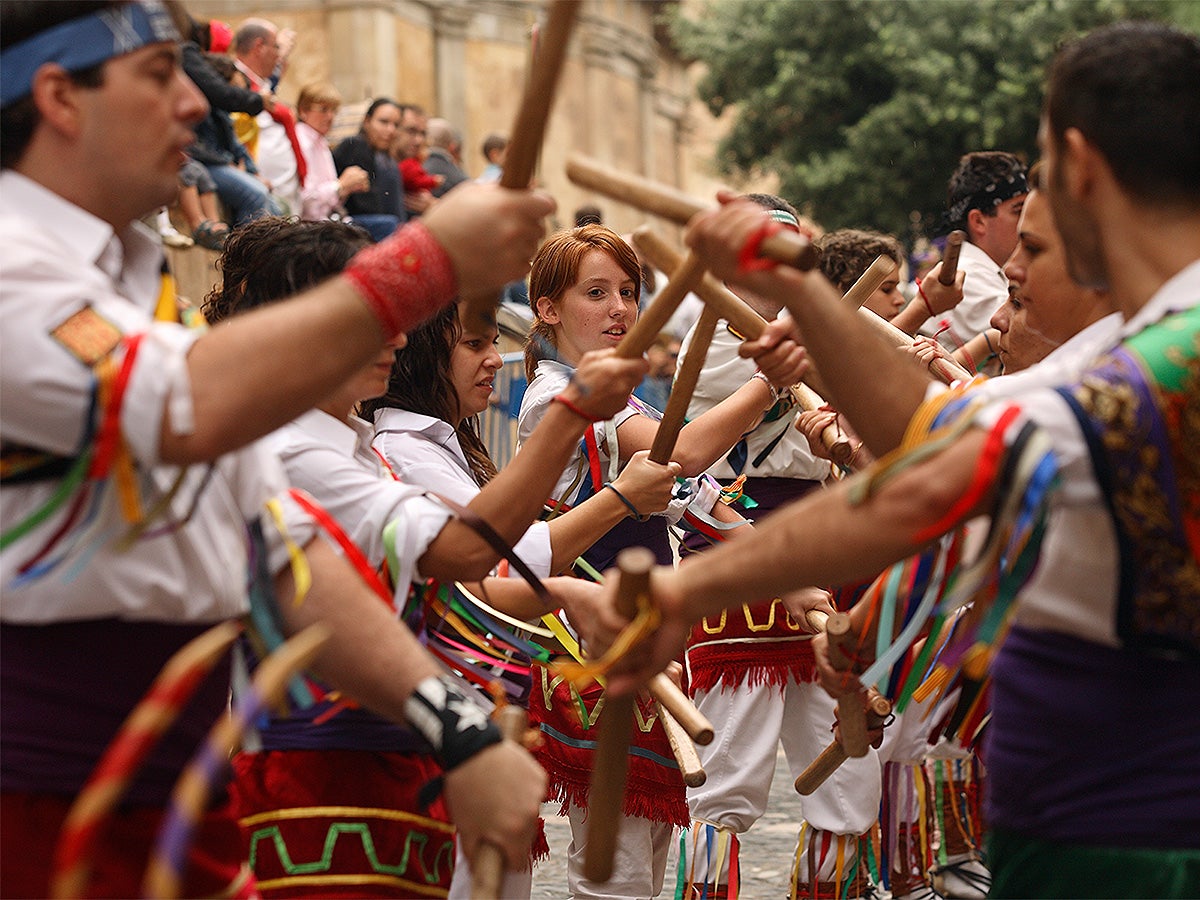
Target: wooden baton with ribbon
529,128
487,869
787,247
852,717
744,320
954,242
606,793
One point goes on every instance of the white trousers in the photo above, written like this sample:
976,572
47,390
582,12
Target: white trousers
639,862
750,723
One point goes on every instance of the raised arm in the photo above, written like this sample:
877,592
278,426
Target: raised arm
822,539
841,345
513,499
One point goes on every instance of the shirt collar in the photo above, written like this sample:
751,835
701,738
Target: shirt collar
82,235
347,436
436,430
1180,292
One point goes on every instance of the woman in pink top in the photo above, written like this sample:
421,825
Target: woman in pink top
323,190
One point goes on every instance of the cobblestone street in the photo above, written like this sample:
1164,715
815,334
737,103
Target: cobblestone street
766,853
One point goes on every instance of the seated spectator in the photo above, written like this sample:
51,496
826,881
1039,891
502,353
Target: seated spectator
198,202
216,147
379,210
324,189
409,149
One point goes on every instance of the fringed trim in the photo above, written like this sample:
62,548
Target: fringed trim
541,845
725,669
642,800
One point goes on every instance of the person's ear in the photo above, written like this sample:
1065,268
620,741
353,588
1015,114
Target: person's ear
977,225
546,311
56,96
1080,163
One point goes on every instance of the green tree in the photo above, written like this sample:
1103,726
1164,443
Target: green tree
862,108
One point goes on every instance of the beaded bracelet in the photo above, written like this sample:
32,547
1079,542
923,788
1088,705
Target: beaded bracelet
775,392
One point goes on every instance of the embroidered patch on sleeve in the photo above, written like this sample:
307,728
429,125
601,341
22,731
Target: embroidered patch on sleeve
88,336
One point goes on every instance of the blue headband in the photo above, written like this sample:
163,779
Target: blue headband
84,42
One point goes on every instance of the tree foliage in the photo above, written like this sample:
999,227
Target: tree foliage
862,107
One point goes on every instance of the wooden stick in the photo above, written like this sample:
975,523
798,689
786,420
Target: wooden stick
164,875
869,281
530,126
831,758
817,620
784,246
954,242
487,869
733,309
683,749
686,378
651,321
682,709
852,718
611,762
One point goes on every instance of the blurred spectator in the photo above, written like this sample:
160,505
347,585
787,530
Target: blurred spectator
495,148
444,158
379,210
324,189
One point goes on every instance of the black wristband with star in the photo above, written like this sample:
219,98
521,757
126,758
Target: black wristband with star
454,724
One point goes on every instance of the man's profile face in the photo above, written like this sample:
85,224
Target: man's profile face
1081,241
135,127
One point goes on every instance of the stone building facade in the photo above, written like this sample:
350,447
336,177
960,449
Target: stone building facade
625,98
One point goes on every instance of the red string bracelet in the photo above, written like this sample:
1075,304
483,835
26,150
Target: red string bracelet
562,398
928,307
748,258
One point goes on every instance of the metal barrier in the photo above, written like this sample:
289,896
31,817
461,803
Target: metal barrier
498,423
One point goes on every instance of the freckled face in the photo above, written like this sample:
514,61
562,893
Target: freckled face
596,311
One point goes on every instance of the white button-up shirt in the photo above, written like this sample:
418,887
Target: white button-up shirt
424,451
55,260
333,461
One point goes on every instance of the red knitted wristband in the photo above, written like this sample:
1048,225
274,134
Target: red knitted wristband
561,398
403,280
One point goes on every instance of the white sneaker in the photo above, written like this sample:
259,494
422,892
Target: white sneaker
173,238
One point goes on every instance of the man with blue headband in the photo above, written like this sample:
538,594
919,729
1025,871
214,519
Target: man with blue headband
134,501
